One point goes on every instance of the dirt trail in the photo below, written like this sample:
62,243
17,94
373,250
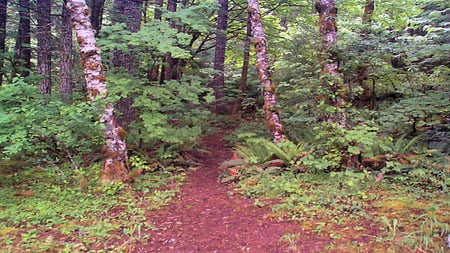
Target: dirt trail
207,217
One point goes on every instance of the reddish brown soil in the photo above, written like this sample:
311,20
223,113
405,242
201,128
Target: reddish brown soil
207,217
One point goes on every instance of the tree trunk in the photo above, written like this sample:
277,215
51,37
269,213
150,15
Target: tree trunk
168,72
158,12
130,13
153,72
96,7
22,49
331,76
3,17
43,35
244,72
366,98
66,67
115,150
270,101
218,83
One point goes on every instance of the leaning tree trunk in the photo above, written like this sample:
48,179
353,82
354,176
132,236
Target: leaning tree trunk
65,55
218,83
22,49
115,150
270,101
332,78
43,35
3,16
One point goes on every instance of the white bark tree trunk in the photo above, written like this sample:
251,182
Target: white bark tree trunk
114,151
270,101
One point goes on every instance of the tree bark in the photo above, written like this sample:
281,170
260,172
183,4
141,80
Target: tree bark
218,83
366,98
153,72
330,66
22,49
262,59
66,67
244,71
3,17
43,35
115,150
96,7
130,13
168,72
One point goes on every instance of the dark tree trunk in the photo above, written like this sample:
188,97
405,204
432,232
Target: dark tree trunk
43,35
367,97
130,13
244,71
115,150
66,67
330,66
158,12
96,7
3,16
168,71
153,72
22,49
218,83
269,90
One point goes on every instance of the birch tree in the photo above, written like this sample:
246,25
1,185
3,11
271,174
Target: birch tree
114,151
262,59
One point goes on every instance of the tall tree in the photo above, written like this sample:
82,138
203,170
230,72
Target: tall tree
219,58
244,70
130,13
115,150
96,7
66,67
22,49
168,72
332,78
262,59
43,35
153,73
3,17
367,96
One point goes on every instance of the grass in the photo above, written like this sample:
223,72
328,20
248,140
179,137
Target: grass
47,211
354,212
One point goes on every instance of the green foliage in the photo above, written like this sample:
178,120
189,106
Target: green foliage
42,203
41,129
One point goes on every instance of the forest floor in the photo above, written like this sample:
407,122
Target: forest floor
207,216
171,210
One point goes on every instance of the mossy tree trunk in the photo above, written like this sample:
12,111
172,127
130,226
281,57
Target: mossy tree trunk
114,151
332,78
262,59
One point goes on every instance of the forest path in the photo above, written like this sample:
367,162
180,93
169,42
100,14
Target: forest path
206,217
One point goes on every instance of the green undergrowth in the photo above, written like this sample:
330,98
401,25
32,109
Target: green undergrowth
56,210
353,210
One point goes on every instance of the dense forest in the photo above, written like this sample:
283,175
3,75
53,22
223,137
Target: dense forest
330,115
